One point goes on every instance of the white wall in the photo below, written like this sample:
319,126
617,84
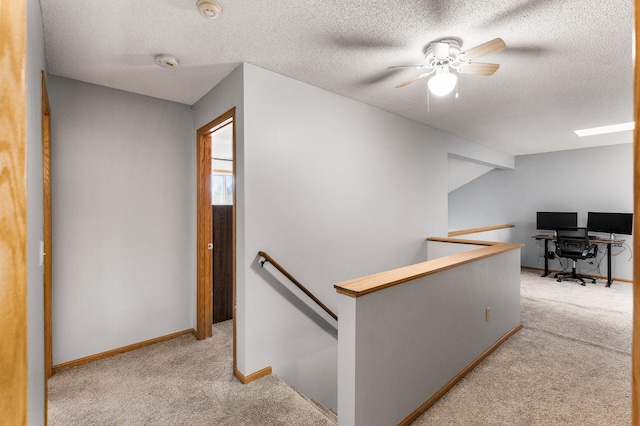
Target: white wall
590,179
402,344
123,218
36,63
439,249
333,189
35,301
470,151
462,171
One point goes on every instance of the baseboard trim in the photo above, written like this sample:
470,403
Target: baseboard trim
253,376
443,390
624,280
119,351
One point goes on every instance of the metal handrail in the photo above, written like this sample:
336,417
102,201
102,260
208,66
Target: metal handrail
291,278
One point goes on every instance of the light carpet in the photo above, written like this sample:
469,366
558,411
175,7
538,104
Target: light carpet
179,382
569,365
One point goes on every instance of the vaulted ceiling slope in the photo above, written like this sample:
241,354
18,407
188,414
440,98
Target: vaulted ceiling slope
567,66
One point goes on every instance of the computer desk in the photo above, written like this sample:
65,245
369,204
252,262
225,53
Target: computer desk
608,242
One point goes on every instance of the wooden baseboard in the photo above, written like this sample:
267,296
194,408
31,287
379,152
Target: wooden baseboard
624,280
443,390
252,377
121,350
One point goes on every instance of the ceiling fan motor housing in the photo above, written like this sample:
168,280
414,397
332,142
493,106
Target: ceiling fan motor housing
443,50
440,50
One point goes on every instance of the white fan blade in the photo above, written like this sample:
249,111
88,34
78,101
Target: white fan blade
406,83
479,68
417,67
495,45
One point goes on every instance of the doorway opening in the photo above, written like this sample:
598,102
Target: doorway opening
222,213
216,225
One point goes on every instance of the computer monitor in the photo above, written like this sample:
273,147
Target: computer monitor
552,220
612,223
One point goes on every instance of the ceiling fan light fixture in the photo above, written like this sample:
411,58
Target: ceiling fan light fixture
209,8
442,83
444,57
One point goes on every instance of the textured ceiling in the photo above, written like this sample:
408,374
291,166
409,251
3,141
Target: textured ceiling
568,63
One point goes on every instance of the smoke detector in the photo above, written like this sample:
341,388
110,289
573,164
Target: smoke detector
209,8
166,61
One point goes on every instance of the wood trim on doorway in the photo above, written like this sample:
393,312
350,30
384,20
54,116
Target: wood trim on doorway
13,215
204,256
46,207
635,347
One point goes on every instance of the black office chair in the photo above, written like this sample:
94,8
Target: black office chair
574,244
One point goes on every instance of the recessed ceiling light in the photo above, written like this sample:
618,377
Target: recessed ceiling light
606,129
209,8
166,61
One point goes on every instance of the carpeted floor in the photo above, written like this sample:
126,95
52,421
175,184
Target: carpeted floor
179,382
569,365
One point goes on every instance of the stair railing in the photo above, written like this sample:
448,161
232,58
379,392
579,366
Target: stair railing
267,258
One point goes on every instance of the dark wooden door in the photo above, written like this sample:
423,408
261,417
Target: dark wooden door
222,263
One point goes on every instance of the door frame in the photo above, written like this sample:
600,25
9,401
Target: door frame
46,207
635,346
204,255
13,214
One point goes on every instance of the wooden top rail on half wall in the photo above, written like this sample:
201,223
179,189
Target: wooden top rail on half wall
477,230
291,278
376,282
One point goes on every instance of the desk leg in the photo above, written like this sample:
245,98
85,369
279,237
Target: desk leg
546,258
609,265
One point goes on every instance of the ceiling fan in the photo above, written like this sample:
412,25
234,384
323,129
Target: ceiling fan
444,56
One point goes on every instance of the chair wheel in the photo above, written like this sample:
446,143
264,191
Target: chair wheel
559,280
584,284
